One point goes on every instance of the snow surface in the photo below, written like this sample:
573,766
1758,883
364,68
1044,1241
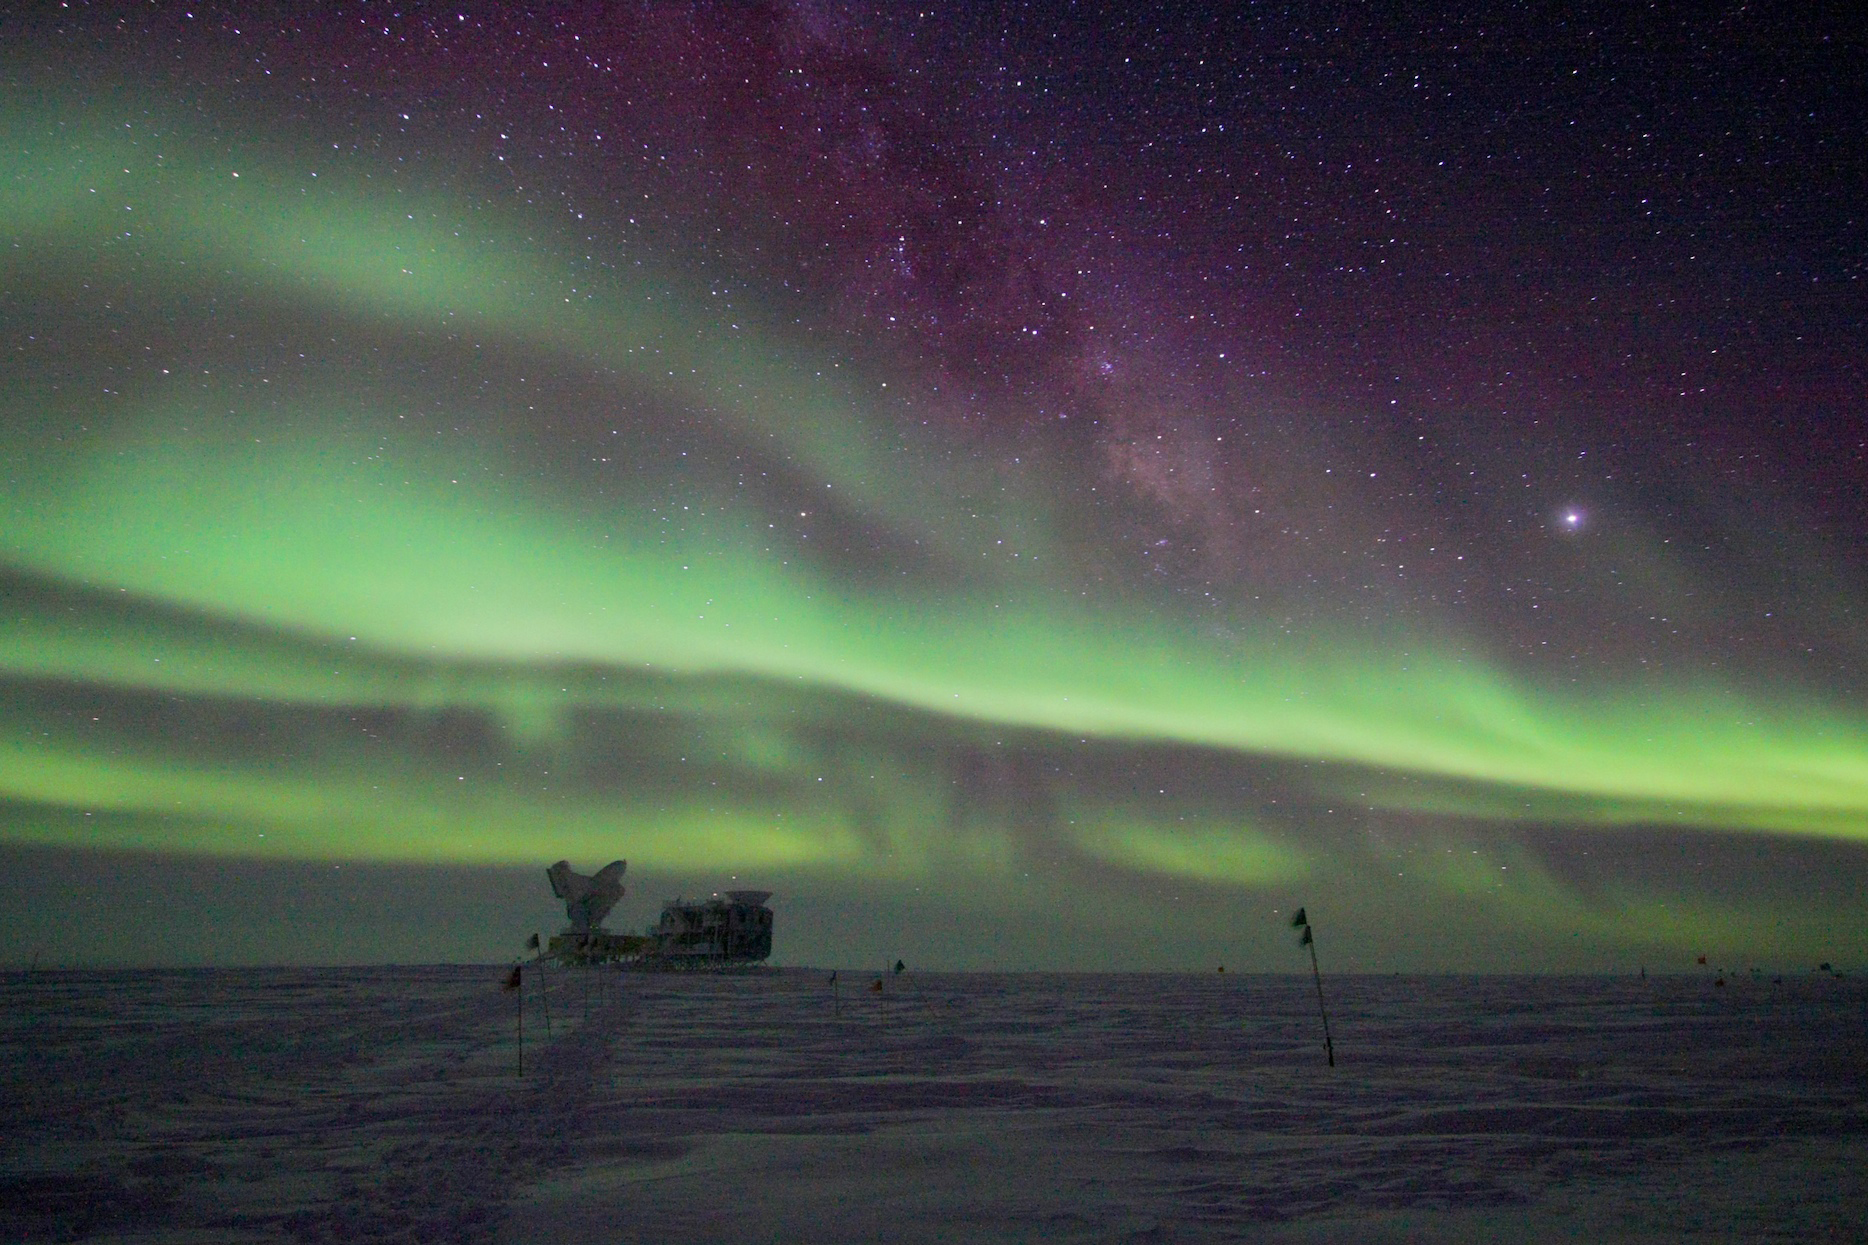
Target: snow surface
381,1104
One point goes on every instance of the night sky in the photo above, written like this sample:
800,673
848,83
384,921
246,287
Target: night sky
1033,486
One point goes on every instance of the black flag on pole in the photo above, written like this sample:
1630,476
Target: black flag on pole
1300,920
512,979
531,944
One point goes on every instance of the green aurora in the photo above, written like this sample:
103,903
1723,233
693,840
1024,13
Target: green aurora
265,605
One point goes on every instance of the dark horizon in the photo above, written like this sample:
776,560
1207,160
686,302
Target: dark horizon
221,913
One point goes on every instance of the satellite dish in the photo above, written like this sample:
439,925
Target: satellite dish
587,900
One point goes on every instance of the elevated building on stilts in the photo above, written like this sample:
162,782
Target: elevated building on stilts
727,930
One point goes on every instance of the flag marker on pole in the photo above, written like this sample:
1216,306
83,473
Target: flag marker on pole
544,987
1302,921
515,982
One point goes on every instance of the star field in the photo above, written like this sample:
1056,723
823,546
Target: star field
942,462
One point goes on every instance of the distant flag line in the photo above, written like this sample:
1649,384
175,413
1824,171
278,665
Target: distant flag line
513,981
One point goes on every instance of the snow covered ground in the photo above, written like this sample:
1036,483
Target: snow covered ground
382,1104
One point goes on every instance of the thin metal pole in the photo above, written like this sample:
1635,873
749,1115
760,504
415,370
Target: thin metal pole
1329,1048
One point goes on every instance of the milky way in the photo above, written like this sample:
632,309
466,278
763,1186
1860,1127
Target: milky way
921,466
